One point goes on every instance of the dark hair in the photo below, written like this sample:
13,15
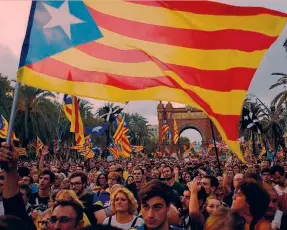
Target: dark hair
266,170
252,175
31,179
83,176
155,188
168,166
257,198
213,181
98,179
50,173
2,177
138,168
119,170
13,223
277,168
27,189
76,206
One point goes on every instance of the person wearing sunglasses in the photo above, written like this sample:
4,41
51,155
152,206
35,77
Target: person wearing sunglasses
66,215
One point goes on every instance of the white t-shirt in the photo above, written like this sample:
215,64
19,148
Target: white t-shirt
126,226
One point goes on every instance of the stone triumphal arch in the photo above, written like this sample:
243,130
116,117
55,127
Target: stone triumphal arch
185,118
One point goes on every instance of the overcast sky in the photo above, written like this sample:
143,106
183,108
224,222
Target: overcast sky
13,20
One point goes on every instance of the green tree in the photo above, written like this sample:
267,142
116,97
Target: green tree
36,115
6,92
281,98
184,141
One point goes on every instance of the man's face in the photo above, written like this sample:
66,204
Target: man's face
264,165
185,199
64,218
155,174
154,212
112,181
272,205
1,187
26,180
277,178
237,180
58,179
44,182
137,175
130,167
266,177
112,168
205,183
76,185
167,173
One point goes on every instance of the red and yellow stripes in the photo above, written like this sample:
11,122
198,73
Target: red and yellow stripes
175,132
202,53
164,130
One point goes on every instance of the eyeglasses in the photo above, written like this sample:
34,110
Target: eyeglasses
75,184
62,219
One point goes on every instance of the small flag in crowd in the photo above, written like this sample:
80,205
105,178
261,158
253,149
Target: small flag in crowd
113,150
4,125
97,130
38,145
175,132
164,130
250,121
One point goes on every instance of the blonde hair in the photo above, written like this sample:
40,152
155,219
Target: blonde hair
133,205
68,195
208,199
221,219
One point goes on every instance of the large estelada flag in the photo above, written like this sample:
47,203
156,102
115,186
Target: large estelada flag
199,53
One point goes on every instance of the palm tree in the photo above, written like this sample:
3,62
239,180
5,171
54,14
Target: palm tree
36,115
281,98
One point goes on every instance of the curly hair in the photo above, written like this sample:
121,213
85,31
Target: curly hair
133,205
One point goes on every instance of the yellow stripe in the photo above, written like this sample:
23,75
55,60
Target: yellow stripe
264,23
109,93
229,103
200,59
221,102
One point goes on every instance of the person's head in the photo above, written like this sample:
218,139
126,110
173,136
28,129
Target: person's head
46,179
26,192
224,219
101,180
266,177
112,168
65,184
236,169
27,180
167,172
114,178
155,203
185,198
130,180
273,204
210,184
137,174
187,177
120,171
52,198
265,165
251,199
122,201
130,167
277,173
43,223
66,215
238,180
252,177
78,182
59,177
34,174
1,184
155,174
212,204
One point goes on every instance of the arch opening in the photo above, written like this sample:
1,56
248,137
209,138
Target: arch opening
192,134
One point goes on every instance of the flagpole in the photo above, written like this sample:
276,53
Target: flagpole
216,152
13,113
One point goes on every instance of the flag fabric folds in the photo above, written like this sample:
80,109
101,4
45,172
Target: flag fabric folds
72,112
250,121
113,150
4,125
200,53
164,130
175,132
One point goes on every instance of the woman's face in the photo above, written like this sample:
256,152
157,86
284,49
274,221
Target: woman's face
130,180
102,179
187,178
213,205
65,184
121,203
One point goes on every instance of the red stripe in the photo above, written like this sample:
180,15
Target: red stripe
196,39
236,78
68,110
56,71
209,7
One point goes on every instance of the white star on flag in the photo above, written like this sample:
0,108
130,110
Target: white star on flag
97,129
61,17
246,118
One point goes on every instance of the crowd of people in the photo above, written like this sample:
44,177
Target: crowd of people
142,193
